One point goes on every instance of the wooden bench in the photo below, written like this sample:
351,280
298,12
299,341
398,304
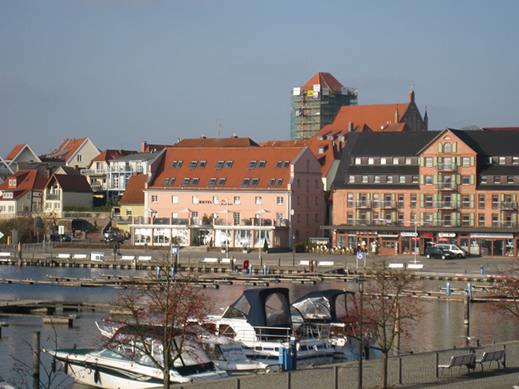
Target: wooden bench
63,256
128,257
395,266
415,266
489,356
468,360
144,258
80,256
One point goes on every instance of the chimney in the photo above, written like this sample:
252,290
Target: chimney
350,127
143,146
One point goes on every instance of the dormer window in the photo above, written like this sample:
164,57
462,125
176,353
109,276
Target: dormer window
219,164
195,181
193,164
202,164
279,164
245,182
252,164
285,165
254,182
228,164
212,182
185,181
221,181
261,164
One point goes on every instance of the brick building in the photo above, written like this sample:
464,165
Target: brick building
401,190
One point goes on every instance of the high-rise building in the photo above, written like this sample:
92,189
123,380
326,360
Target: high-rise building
315,104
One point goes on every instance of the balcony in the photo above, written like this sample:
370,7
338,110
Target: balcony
446,167
446,186
93,172
363,204
446,205
508,206
50,197
388,204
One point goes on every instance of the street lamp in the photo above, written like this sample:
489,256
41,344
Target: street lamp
361,294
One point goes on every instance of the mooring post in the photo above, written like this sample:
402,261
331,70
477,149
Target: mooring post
36,360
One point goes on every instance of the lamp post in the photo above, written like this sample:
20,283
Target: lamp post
227,229
361,294
260,259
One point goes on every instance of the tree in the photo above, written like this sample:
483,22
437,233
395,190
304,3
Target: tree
384,311
161,314
506,295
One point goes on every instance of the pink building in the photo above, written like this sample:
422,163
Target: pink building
232,194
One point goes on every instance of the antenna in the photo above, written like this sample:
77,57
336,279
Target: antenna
219,121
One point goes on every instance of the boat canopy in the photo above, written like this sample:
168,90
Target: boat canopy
263,307
323,305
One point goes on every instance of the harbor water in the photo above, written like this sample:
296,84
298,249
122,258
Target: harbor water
439,326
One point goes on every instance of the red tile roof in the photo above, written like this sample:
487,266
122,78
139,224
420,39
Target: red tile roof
134,193
326,80
109,155
216,142
500,128
240,157
26,180
14,152
66,149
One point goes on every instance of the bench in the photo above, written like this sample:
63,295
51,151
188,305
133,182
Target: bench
144,257
128,257
226,260
489,356
415,266
80,256
5,254
304,263
325,263
468,360
210,260
63,256
395,266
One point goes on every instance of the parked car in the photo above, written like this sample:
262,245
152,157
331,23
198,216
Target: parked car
438,252
456,250
113,237
55,237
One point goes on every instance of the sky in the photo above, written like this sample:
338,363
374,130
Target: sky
126,71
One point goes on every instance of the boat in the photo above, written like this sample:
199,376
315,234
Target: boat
5,385
322,314
261,320
119,364
224,352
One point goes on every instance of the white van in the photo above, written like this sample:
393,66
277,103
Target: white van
460,253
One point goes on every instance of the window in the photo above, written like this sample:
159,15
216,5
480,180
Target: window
428,162
229,164
254,182
279,164
371,161
465,201
195,201
280,181
272,182
502,160
465,162
280,200
389,179
375,200
350,200
428,180
154,199
185,181
351,179
219,165
483,179
349,218
212,181
481,220
364,179
515,160
258,200
495,201
166,181
447,148
402,179
466,180
286,164
377,179
195,181
495,220
428,201
221,181
216,200
252,164
261,164
481,201
428,219
383,161
245,182
202,164
400,200
497,179
174,199
357,161
176,164
510,180
172,180
237,218
415,179
193,164
237,200
79,158
465,220
395,161
408,161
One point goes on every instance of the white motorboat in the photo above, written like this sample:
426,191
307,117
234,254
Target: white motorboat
121,365
261,320
224,352
322,314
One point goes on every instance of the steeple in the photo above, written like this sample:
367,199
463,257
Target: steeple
411,94
397,115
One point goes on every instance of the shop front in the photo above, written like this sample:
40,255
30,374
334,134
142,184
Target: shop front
492,244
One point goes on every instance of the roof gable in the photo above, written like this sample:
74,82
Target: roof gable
70,183
326,80
134,192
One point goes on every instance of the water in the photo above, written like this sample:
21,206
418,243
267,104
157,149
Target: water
439,326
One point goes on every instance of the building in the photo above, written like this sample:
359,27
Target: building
21,194
63,191
131,204
74,152
236,194
20,153
315,104
402,190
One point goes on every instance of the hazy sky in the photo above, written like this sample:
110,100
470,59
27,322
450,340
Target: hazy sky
126,71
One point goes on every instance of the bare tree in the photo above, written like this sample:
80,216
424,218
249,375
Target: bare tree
506,295
162,310
384,311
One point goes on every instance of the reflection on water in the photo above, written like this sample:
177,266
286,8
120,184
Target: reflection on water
440,325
